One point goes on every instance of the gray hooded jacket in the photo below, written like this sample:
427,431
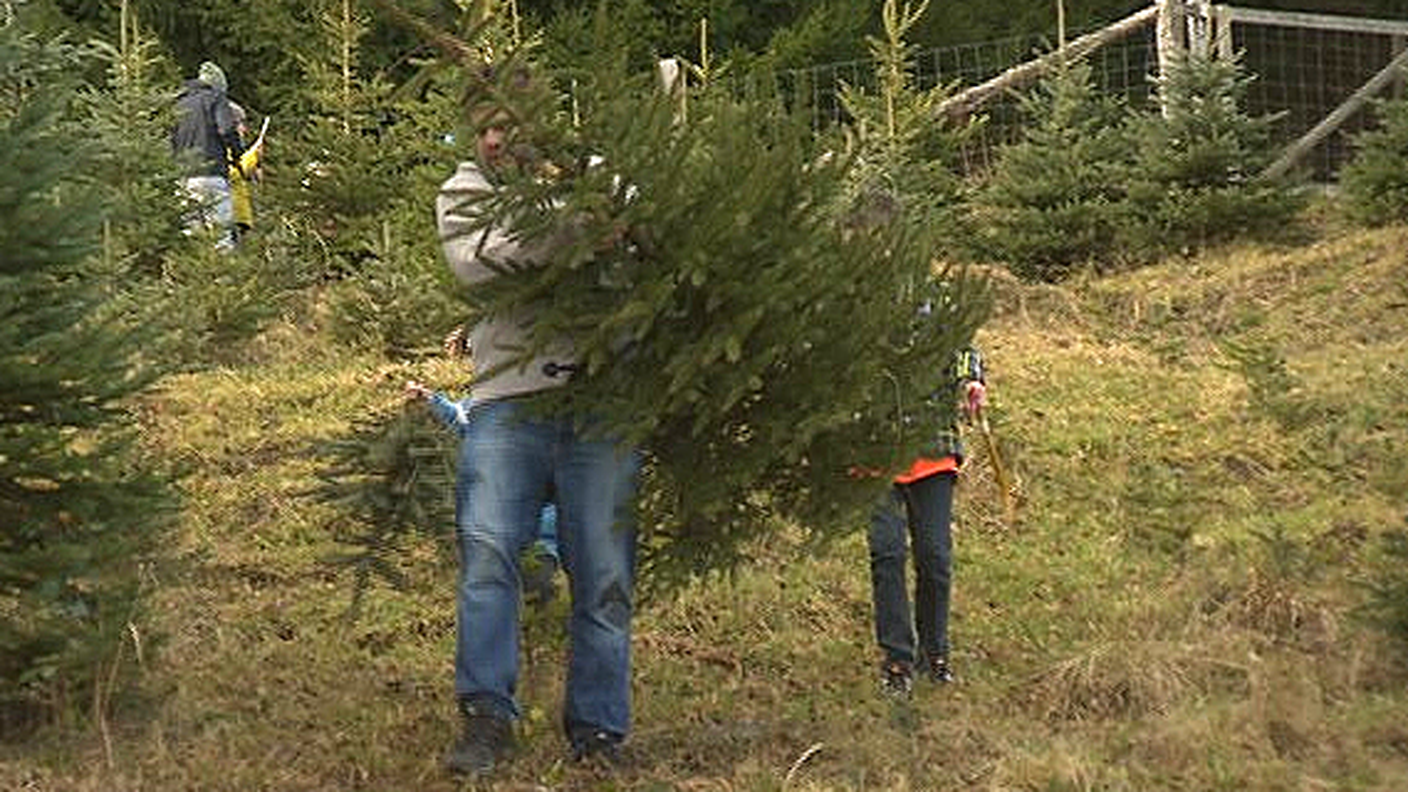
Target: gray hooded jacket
497,339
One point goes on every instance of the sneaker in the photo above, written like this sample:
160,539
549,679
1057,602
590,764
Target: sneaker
896,679
598,747
938,671
485,742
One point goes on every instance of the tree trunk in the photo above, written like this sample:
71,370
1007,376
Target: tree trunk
962,104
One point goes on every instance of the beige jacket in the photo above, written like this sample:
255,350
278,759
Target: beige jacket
497,339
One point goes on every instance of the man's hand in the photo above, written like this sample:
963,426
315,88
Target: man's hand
975,398
415,390
616,233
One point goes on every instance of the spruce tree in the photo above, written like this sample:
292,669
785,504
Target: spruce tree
904,149
1375,182
1052,202
132,114
81,517
390,477
356,172
1193,178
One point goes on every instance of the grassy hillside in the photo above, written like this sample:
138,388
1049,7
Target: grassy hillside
1206,454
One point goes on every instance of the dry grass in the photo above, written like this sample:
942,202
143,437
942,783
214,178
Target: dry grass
1127,679
1171,609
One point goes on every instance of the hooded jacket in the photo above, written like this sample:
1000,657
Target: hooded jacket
205,139
497,340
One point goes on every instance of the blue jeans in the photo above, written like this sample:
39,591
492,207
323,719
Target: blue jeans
456,415
508,466
918,514
212,207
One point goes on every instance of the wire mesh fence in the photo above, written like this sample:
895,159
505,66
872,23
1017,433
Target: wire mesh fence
1298,72
1306,73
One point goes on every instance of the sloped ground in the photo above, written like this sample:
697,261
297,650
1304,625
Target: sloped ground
1205,454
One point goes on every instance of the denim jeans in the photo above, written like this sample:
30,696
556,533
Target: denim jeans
918,514
211,207
508,465
456,415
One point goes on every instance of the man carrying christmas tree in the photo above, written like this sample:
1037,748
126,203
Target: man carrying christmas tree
511,456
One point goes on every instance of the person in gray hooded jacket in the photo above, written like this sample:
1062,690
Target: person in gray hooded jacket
206,143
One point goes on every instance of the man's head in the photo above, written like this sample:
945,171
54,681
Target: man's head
491,145
493,99
211,74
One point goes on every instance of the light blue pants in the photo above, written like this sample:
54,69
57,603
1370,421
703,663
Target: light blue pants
211,207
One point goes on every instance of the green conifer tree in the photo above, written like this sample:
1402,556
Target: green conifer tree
81,517
1375,182
904,149
132,115
1192,181
1052,201
354,184
391,477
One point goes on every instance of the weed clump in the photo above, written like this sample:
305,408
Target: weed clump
1115,680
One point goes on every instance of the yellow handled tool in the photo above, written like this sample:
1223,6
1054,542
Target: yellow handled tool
1009,494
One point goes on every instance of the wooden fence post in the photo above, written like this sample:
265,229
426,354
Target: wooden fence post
1200,28
1172,33
1172,39
1223,44
1396,47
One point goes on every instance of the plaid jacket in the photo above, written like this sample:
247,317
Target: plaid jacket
946,452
